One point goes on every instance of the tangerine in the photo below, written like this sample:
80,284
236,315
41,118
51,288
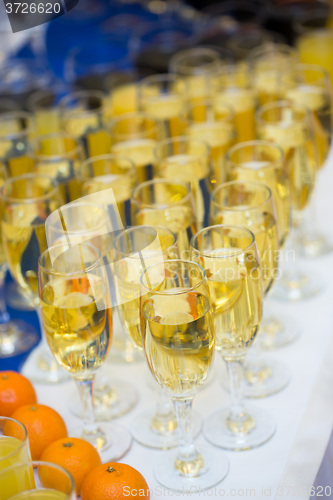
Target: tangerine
15,391
113,481
75,455
44,426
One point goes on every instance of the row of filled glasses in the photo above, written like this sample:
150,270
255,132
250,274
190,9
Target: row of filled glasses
22,478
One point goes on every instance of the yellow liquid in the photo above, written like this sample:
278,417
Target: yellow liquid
264,228
89,129
124,99
243,102
277,180
141,152
315,99
235,287
47,121
64,172
78,323
220,138
122,186
301,160
24,242
41,494
178,336
127,274
316,47
196,171
168,109
178,219
19,479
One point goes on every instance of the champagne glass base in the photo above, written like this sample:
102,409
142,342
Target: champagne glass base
315,246
110,400
264,377
16,337
111,441
275,333
42,368
215,469
216,431
306,286
16,299
143,432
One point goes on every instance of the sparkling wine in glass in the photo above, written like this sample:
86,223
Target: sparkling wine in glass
178,338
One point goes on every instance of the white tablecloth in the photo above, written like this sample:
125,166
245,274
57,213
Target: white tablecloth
286,466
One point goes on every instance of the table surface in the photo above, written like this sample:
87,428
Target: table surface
287,465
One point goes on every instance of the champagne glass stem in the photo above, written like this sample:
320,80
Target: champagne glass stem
189,462
86,388
164,419
238,420
4,316
291,271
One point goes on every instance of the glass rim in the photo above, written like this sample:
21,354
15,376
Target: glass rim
41,463
222,226
66,247
241,208
315,68
57,135
294,106
218,99
109,156
267,48
54,186
77,204
23,443
276,162
113,122
134,229
17,114
183,139
174,261
157,79
157,180
175,66
64,102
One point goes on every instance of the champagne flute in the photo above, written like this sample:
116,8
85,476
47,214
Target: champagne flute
83,114
264,161
76,310
188,160
310,85
177,330
27,201
163,97
135,249
290,125
50,482
250,204
85,221
197,66
212,120
134,135
267,62
17,130
110,172
59,155
234,85
230,258
167,203
16,336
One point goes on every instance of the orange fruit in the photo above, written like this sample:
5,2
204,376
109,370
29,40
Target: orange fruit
75,455
113,481
44,426
15,391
